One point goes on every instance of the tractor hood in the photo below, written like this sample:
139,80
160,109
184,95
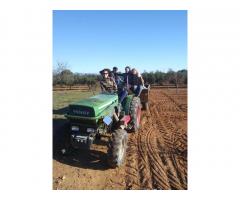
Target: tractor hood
93,106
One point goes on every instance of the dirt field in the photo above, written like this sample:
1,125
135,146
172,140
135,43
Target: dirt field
156,156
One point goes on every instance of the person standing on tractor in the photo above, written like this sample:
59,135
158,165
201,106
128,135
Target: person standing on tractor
107,83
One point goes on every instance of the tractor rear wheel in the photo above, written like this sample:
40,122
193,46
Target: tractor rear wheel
135,113
117,148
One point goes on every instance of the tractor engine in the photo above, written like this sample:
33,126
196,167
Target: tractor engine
90,118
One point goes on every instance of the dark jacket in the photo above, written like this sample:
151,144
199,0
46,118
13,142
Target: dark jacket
127,77
115,75
135,80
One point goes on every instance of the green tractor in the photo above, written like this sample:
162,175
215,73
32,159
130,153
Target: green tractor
101,114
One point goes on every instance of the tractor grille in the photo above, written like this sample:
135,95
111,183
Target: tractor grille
84,123
82,111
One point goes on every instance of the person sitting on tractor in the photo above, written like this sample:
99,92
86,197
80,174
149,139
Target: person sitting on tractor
127,76
137,82
125,83
107,83
116,76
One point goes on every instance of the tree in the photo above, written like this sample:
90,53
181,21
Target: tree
62,75
182,76
67,77
159,76
170,77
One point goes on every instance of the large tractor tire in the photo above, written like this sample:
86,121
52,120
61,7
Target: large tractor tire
117,148
135,113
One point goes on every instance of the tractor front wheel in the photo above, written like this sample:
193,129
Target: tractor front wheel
117,148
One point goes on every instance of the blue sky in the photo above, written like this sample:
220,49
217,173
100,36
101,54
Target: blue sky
147,40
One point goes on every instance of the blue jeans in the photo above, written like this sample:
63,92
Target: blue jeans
122,94
137,89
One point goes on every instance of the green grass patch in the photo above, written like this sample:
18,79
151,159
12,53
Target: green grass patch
61,100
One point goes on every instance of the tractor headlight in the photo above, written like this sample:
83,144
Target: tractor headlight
90,130
75,128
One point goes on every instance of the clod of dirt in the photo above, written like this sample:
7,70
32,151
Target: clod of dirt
56,181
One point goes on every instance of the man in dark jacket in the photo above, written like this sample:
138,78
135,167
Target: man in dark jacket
116,75
126,83
127,77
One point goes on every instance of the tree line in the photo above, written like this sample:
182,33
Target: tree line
62,75
164,78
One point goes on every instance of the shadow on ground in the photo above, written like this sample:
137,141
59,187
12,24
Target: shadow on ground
88,159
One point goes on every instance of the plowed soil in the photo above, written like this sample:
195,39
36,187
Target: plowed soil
156,156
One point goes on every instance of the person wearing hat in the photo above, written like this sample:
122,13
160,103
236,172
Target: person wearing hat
107,83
